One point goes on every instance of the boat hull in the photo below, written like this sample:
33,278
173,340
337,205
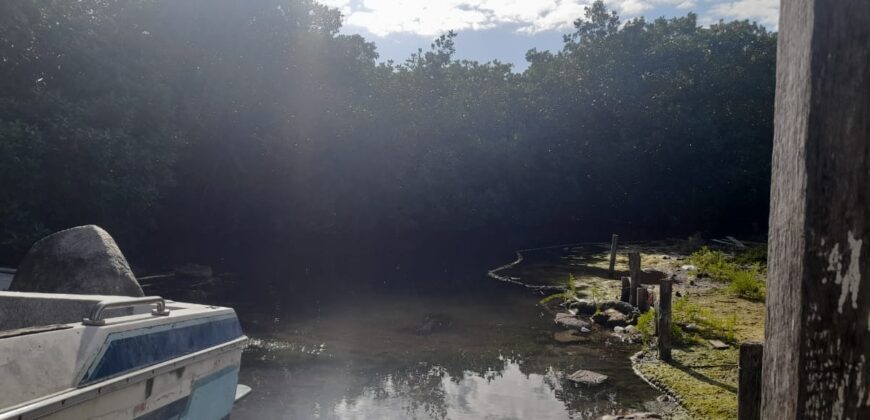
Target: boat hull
180,361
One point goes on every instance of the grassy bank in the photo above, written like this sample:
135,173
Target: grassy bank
722,299
718,295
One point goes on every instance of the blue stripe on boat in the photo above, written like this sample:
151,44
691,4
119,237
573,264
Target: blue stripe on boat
130,350
211,398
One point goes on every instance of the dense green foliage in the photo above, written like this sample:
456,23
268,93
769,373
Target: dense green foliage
250,118
744,272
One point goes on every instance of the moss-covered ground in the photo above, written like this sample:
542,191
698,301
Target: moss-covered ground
703,379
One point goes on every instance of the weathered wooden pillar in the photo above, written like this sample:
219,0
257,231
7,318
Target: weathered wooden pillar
663,320
634,273
749,382
613,242
817,334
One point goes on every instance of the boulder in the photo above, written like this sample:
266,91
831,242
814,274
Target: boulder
571,322
587,377
583,307
623,307
81,260
611,318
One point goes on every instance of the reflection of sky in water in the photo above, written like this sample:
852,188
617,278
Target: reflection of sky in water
509,394
495,359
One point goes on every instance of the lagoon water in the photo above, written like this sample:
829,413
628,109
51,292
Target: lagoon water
473,353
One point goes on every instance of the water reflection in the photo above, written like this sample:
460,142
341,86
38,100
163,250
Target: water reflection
504,394
379,357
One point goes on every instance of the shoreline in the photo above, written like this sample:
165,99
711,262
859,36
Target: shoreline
702,380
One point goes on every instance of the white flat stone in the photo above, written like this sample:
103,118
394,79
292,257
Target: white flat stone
587,377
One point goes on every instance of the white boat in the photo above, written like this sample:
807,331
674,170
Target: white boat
65,356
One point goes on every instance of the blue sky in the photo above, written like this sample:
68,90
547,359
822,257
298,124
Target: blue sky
506,29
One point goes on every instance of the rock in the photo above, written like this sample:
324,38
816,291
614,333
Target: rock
633,416
688,267
611,318
585,330
620,306
690,328
570,321
665,398
193,270
618,330
433,323
718,345
81,260
631,329
587,377
582,307
569,336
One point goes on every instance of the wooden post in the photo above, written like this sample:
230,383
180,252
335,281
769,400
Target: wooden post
642,299
626,289
613,241
634,273
749,382
817,333
663,324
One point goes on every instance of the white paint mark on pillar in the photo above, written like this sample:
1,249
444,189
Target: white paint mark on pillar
849,281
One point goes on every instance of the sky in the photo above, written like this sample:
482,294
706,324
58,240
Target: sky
505,29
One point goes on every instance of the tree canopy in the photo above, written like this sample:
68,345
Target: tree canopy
245,118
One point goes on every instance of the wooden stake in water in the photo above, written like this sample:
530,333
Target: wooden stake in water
664,320
613,241
634,272
749,382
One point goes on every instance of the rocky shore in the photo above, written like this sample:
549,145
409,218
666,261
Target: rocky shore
701,383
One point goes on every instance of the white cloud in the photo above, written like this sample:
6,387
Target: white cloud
426,17
688,4
634,7
434,17
765,12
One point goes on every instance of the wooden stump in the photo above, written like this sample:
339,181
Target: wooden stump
663,321
749,382
626,289
642,299
613,242
634,273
